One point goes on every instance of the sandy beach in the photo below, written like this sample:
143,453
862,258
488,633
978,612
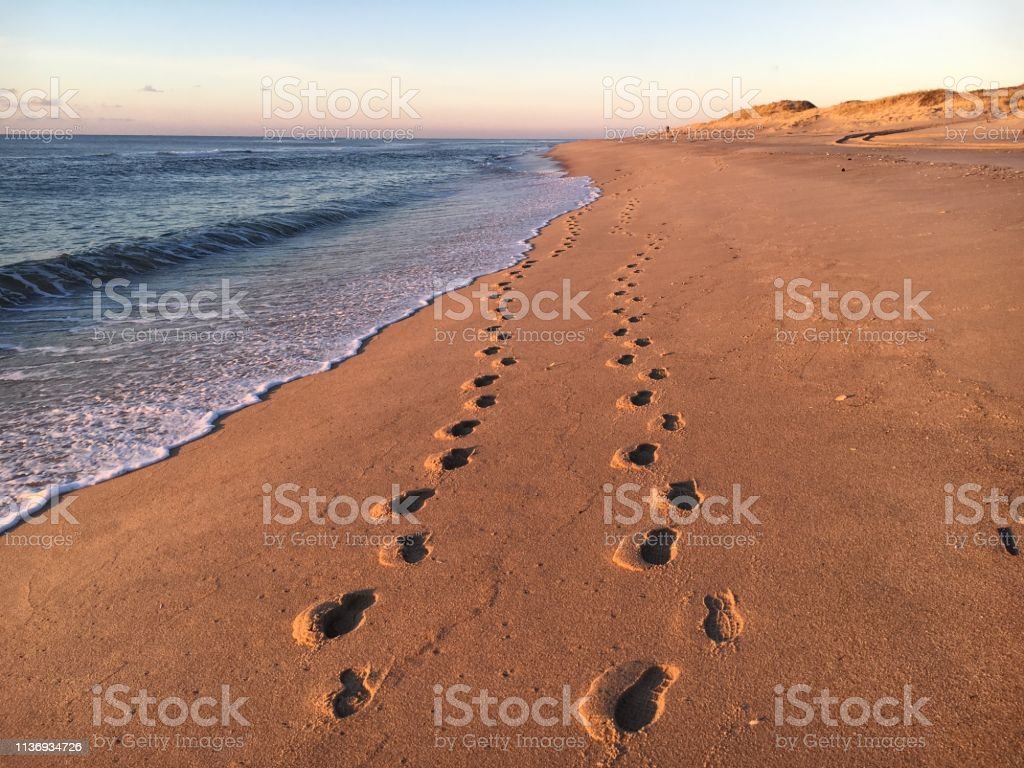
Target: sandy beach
826,447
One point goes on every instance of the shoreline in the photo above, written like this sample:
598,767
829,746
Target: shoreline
184,575
215,419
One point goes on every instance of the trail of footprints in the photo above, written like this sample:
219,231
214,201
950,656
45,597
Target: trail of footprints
630,697
627,698
329,620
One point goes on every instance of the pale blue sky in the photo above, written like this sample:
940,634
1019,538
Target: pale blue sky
484,68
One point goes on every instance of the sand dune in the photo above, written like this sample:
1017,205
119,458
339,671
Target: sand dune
903,112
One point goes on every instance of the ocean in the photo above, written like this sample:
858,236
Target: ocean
149,285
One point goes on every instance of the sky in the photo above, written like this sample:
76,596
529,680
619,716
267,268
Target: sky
476,69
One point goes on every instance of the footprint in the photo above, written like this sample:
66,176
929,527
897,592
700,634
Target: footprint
1009,540
639,399
481,381
328,620
657,374
407,549
620,332
625,699
684,495
641,342
654,549
407,503
659,546
643,702
672,422
450,460
505,362
639,456
623,361
484,401
458,429
413,548
488,351
356,692
724,623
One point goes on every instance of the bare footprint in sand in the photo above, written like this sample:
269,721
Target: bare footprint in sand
458,429
481,381
454,459
333,618
635,400
626,700
724,622
672,422
655,549
643,702
620,362
637,457
358,687
657,374
1009,540
482,402
408,503
407,549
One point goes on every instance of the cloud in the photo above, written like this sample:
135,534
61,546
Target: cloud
150,89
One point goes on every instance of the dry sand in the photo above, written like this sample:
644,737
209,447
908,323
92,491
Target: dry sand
844,579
